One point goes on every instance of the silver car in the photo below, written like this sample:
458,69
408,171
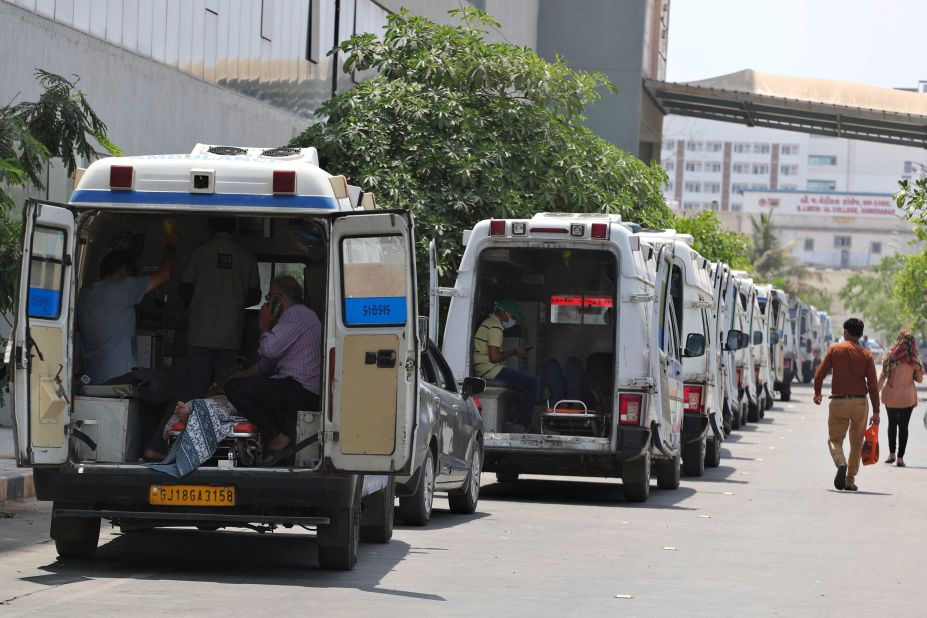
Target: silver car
448,452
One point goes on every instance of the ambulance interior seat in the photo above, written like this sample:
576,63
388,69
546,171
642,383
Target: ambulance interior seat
568,387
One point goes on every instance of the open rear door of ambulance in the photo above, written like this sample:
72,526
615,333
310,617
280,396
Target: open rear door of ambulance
373,354
41,350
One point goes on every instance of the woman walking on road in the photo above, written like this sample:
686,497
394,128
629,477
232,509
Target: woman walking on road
900,370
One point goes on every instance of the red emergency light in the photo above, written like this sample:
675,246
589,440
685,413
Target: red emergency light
121,177
497,227
284,182
599,230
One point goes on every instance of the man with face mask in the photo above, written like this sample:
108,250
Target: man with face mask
488,359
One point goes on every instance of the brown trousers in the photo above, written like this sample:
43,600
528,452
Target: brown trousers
847,414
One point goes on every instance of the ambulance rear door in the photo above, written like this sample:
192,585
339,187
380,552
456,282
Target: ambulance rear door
41,348
373,353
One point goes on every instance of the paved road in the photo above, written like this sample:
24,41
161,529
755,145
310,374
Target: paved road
764,534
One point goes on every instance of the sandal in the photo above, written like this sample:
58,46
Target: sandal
891,459
900,463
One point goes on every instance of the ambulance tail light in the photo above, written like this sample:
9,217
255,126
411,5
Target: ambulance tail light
740,376
692,399
629,408
787,363
284,182
497,227
331,382
756,373
122,177
599,230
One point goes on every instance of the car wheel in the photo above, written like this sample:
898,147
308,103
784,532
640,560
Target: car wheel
635,479
464,501
75,537
769,399
713,453
378,513
338,541
785,393
753,411
668,473
415,510
693,458
736,417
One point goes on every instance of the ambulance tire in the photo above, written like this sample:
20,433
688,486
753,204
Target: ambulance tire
338,541
769,399
378,515
635,479
415,510
753,411
713,453
693,458
669,473
75,537
736,418
785,393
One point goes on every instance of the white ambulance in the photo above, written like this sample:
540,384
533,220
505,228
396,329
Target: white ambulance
357,267
604,341
730,339
693,296
746,310
775,304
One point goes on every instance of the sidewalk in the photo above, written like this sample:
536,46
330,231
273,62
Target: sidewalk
15,483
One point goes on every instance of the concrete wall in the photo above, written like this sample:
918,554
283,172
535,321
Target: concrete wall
148,107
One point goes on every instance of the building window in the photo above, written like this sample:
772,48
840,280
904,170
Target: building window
758,187
760,148
822,159
669,166
741,168
786,187
809,244
788,170
822,185
713,146
739,187
789,149
693,187
711,187
668,187
741,147
669,144
735,207
875,248
712,205
842,242
693,166
713,166
691,205
760,168
695,146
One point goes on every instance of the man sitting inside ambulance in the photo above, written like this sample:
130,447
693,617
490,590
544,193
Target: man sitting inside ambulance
286,378
106,323
488,359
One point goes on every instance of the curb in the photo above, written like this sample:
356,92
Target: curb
16,485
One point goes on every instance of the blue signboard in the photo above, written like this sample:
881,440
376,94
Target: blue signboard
375,310
44,303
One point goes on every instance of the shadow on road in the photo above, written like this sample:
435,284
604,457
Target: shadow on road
859,493
583,493
230,557
441,519
721,474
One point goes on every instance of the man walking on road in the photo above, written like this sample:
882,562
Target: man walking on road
854,378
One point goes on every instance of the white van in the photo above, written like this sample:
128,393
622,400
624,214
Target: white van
693,295
794,353
777,318
746,377
727,301
357,268
808,346
603,335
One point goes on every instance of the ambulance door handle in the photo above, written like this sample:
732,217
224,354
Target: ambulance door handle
386,359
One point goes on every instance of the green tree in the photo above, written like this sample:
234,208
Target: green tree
872,294
458,129
713,241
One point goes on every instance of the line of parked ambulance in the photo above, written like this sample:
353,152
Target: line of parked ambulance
647,354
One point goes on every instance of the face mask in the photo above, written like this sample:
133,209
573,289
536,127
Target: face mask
509,323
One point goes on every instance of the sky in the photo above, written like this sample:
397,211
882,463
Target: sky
875,42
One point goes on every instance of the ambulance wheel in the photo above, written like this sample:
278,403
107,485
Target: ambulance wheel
769,400
464,500
713,453
635,479
693,458
415,510
338,541
75,537
378,514
785,393
736,417
753,412
668,473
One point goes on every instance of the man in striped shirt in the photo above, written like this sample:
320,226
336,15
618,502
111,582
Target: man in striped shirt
286,378
488,357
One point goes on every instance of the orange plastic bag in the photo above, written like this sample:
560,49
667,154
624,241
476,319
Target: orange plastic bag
870,452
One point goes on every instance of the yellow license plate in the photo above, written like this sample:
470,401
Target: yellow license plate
191,495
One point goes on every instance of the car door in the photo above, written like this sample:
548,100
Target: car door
41,345
457,431
373,341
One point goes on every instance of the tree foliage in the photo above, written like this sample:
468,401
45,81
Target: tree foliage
60,124
458,129
713,241
872,294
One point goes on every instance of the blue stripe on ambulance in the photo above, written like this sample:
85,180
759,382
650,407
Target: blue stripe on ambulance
95,196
